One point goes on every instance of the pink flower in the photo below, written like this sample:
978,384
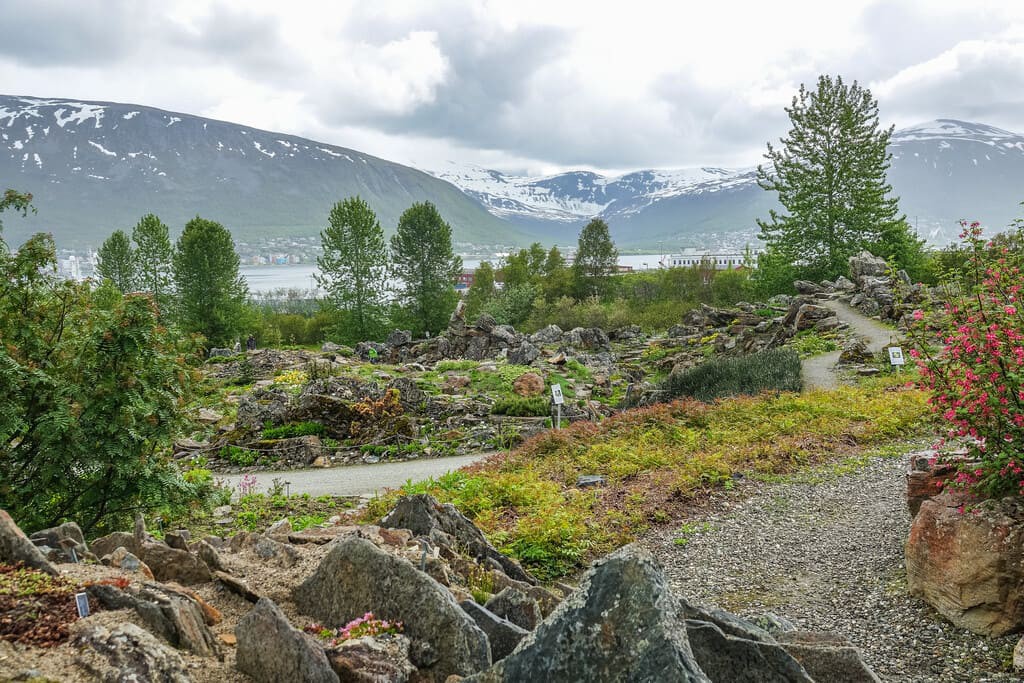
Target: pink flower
1010,310
918,314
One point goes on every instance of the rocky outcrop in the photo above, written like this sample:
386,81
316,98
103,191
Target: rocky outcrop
16,547
445,525
528,384
927,475
516,606
594,634
127,653
969,566
373,660
502,634
58,542
357,577
726,658
172,614
271,651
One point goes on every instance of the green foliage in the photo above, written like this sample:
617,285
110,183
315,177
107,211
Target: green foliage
117,262
830,176
811,343
426,267
527,504
92,387
457,365
522,406
210,289
596,260
773,370
294,430
353,269
514,304
482,291
153,256
236,455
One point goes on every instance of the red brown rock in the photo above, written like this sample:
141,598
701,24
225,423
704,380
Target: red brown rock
528,384
969,565
927,478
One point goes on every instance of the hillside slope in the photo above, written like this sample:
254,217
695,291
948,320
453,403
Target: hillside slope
94,167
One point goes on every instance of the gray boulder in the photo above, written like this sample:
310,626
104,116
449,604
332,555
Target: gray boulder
620,625
727,658
807,287
127,653
855,351
424,516
15,546
270,650
502,634
809,315
547,335
516,606
171,614
399,338
867,264
827,657
172,564
356,577
382,659
524,354
844,284
485,322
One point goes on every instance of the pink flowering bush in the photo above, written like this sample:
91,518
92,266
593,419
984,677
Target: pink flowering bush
970,352
365,625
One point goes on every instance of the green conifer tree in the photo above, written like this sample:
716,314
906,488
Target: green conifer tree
211,293
426,266
353,269
153,260
117,262
830,176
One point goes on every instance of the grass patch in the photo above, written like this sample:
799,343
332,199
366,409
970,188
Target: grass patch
522,406
657,461
293,430
774,370
810,343
257,511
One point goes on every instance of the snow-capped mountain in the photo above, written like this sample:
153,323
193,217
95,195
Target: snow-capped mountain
94,167
942,170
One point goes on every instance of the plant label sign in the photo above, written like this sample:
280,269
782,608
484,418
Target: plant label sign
556,394
82,602
896,356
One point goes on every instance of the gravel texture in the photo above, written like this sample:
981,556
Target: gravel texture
825,550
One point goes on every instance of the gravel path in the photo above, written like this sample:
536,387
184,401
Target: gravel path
358,480
826,552
819,371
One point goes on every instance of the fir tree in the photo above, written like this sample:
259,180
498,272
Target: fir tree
596,260
353,268
482,291
830,176
117,262
426,266
153,257
211,293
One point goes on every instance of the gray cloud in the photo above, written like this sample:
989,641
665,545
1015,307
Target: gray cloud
51,33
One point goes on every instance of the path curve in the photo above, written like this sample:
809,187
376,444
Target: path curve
820,371
358,480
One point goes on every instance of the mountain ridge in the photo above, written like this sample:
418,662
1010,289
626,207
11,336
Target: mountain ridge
96,166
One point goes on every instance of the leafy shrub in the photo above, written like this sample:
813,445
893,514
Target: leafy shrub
236,455
810,343
970,354
522,406
294,430
773,370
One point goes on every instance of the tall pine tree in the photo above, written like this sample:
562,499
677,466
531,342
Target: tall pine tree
426,266
117,262
211,293
153,256
353,268
596,260
830,176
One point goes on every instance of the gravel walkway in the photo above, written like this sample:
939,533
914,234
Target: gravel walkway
826,552
357,480
819,371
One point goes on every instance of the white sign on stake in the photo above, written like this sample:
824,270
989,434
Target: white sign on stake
556,394
896,356
82,602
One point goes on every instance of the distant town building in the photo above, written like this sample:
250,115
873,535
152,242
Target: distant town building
721,260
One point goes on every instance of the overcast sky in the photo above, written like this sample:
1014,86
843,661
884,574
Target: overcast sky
522,85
